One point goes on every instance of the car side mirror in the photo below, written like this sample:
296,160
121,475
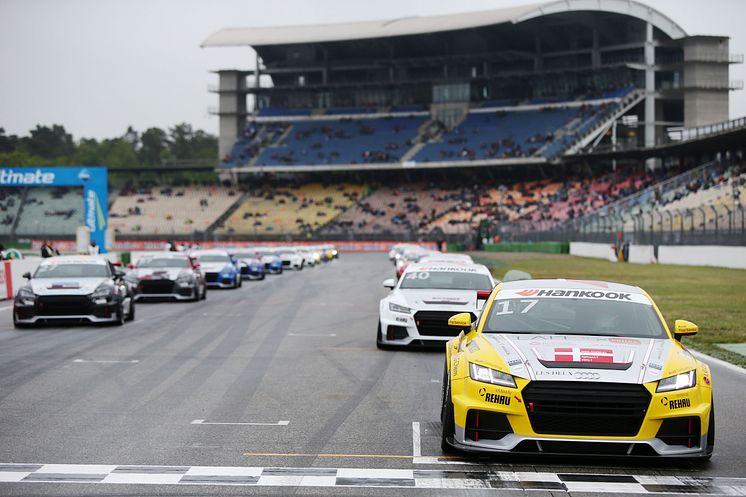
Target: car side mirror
461,320
118,273
196,265
682,328
389,283
27,275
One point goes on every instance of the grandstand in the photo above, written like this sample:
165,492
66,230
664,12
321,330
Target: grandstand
516,86
50,211
169,210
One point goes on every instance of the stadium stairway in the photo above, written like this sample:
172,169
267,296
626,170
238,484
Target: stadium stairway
228,212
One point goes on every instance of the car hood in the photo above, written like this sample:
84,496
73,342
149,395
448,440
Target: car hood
158,273
457,300
65,286
251,261
269,259
214,267
588,358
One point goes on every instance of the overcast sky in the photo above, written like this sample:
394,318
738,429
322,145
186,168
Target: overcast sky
97,66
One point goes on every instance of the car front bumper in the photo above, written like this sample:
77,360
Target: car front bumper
510,418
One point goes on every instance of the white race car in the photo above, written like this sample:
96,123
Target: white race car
417,310
291,259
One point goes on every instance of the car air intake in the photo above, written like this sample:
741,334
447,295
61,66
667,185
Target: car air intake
394,332
486,425
586,408
680,431
435,323
64,305
211,277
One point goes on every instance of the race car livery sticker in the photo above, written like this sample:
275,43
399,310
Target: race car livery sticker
536,293
494,398
674,404
446,269
586,357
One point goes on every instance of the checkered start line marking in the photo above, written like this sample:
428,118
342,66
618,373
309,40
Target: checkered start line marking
368,477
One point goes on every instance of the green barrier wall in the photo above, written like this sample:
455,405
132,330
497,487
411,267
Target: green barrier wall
545,247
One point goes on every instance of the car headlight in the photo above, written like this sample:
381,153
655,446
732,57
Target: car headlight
103,292
25,296
185,279
487,375
399,308
678,382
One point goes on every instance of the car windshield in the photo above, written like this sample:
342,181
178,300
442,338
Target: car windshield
76,270
574,316
164,262
445,280
214,258
245,255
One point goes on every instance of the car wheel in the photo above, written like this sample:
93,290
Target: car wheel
204,292
120,315
448,426
240,281
131,313
710,434
20,326
261,277
197,294
379,339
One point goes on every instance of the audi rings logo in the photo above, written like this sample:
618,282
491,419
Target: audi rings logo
586,375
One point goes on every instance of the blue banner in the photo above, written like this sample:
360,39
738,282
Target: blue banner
93,180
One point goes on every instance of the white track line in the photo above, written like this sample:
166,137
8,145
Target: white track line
203,422
416,443
312,334
92,361
6,308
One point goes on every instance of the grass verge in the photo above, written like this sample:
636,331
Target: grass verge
714,298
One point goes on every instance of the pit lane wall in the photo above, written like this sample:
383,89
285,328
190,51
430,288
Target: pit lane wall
685,255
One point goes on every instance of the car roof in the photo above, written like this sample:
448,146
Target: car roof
164,255
209,251
449,266
569,284
75,259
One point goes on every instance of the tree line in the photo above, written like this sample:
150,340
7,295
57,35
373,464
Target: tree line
53,145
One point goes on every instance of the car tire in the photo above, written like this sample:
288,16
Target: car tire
197,295
21,326
131,313
204,291
710,435
448,426
120,315
263,275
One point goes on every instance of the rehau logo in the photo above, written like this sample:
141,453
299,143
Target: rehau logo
494,398
676,403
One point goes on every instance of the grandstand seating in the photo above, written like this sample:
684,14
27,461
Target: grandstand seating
291,210
538,127
10,203
344,141
57,211
169,210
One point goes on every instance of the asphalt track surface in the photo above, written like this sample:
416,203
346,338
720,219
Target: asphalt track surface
278,389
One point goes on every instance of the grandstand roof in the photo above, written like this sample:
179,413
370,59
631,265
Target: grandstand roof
319,33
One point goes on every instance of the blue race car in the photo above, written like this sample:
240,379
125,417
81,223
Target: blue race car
221,269
272,261
252,267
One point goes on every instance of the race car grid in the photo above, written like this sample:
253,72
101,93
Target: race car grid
458,474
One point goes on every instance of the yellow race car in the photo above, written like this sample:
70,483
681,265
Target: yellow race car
575,367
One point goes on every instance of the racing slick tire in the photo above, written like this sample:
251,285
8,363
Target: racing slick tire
204,292
131,313
262,276
448,426
197,295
